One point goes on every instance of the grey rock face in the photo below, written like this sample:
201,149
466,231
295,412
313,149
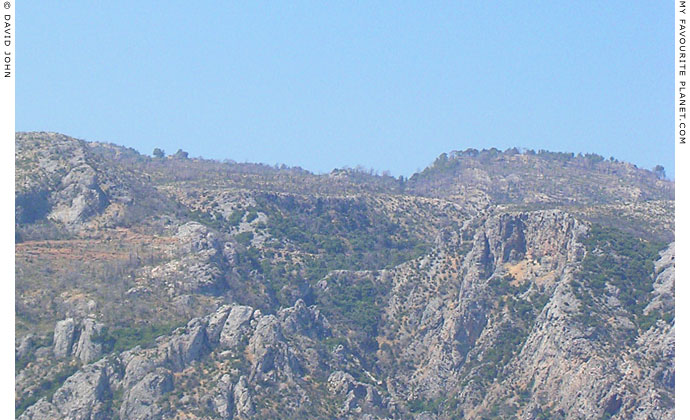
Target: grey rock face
216,322
439,327
70,185
137,364
139,402
195,237
665,281
80,196
541,252
64,337
271,355
26,345
339,382
236,326
224,400
299,319
83,396
88,348
187,346
265,346
143,376
42,410
78,339
266,335
243,399
356,394
200,264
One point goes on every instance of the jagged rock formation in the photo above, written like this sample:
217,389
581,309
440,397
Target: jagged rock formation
255,292
77,339
202,263
144,376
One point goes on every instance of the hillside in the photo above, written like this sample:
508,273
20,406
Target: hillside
530,285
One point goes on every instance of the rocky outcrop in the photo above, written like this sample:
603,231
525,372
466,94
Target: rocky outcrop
187,345
41,410
506,309
75,186
224,400
442,330
462,332
200,262
236,326
143,377
26,345
64,186
90,345
79,197
243,399
140,401
357,396
84,396
78,339
665,282
64,337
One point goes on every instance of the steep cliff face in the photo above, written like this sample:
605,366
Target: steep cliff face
507,337
243,298
462,317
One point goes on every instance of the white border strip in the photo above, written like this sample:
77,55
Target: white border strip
7,80
682,140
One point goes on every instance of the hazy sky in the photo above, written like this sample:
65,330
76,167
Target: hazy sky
388,85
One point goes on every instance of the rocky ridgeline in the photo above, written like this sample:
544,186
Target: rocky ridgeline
134,383
526,177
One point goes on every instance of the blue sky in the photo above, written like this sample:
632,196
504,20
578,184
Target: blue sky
387,85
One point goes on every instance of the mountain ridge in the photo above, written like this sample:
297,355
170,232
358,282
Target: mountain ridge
114,149
490,287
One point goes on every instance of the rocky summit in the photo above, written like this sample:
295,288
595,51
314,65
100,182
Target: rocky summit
512,284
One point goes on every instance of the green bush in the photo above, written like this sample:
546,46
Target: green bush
420,405
245,238
235,218
121,339
252,215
